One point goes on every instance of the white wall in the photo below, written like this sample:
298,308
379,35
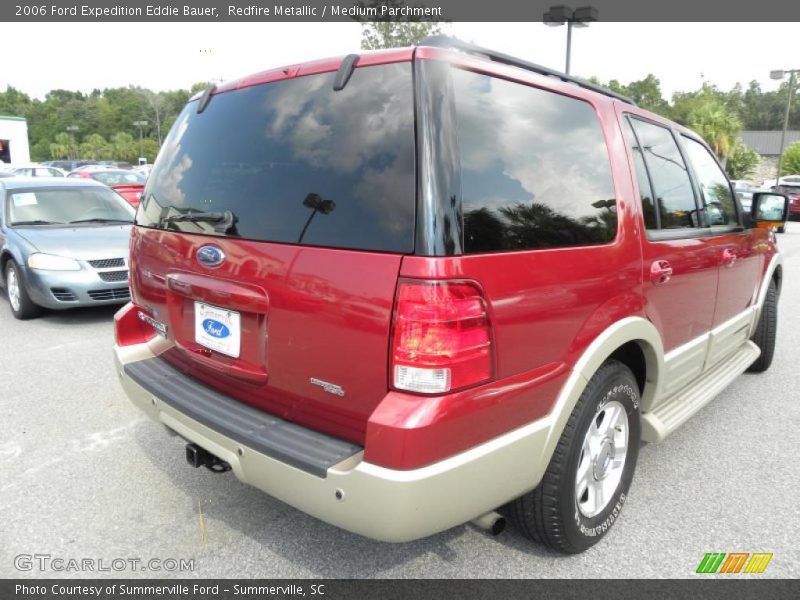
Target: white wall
16,132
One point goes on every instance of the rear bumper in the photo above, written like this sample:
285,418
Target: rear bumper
373,501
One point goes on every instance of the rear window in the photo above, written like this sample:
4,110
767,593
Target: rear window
534,166
295,162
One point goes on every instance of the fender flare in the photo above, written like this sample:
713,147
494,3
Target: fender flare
630,329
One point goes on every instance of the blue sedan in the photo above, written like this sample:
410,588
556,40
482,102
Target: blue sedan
63,244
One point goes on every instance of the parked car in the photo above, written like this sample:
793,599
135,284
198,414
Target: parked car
408,288
128,184
68,165
793,192
785,180
38,171
63,244
744,190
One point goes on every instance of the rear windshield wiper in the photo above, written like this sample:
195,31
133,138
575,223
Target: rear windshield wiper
100,220
36,222
225,222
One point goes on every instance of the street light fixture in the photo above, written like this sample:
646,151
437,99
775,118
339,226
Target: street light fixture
72,130
140,125
580,17
780,74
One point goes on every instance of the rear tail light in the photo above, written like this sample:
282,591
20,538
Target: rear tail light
129,328
442,337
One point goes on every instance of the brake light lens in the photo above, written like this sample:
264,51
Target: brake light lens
442,337
129,328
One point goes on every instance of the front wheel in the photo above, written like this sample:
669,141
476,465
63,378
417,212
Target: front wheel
22,307
587,481
764,336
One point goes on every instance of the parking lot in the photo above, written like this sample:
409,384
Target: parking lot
85,476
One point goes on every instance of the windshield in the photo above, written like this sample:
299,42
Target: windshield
295,162
66,205
118,177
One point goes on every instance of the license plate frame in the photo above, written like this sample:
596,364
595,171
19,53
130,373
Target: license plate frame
218,329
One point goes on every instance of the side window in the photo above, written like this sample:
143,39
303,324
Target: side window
669,175
718,200
535,170
642,178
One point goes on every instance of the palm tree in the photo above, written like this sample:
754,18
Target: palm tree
716,126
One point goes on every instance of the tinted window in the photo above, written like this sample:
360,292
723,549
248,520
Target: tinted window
296,162
642,179
668,173
718,201
535,168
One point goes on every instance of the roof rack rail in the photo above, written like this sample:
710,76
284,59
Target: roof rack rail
448,42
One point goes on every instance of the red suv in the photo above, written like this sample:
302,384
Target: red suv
402,290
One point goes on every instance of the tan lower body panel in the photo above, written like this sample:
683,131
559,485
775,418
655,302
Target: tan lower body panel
373,501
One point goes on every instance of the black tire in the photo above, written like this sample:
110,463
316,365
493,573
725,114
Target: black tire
26,308
782,228
764,336
550,513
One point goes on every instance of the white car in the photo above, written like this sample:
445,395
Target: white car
34,170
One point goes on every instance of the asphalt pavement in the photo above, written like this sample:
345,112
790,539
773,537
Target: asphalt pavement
84,476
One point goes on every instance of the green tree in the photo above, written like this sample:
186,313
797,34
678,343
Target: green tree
716,125
742,161
124,146
96,148
376,35
61,147
791,160
645,92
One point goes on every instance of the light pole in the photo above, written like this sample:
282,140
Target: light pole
780,74
580,17
140,125
73,129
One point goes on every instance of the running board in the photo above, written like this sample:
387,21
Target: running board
667,417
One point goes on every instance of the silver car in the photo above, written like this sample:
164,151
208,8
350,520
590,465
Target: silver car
63,244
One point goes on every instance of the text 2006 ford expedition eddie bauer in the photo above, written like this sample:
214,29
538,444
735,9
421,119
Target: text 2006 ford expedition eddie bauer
401,290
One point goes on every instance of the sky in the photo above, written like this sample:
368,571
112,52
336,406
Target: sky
163,56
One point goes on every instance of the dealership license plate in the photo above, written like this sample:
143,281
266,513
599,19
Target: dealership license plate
218,329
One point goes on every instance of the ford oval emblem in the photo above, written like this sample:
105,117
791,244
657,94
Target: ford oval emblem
210,256
216,329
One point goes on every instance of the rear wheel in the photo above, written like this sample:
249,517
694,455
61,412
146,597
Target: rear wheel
587,481
764,336
22,307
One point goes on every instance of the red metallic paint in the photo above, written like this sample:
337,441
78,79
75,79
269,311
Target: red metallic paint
325,313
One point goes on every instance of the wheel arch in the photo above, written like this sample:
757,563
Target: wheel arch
636,342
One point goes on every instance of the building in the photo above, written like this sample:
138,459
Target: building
768,146
14,140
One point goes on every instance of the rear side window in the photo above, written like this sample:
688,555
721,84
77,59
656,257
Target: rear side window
535,168
718,201
295,162
668,174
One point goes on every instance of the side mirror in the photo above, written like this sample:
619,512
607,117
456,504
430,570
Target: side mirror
769,209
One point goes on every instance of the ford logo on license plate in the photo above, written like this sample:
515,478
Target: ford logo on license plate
210,256
216,329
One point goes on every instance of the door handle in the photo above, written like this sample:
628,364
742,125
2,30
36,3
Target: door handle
660,272
728,257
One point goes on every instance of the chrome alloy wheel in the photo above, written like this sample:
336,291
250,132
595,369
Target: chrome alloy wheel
602,459
12,284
